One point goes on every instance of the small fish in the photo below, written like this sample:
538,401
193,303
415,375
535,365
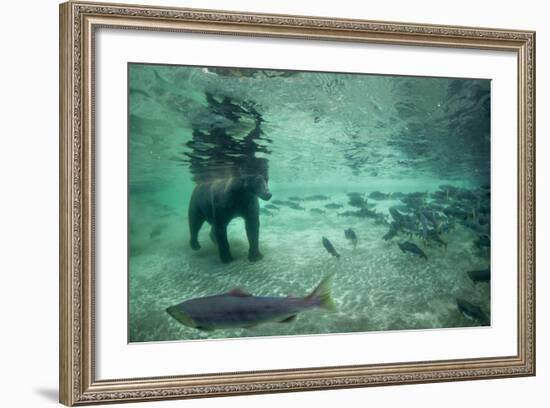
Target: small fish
333,206
397,195
377,195
272,207
431,216
278,202
433,236
364,213
380,218
472,312
330,248
238,309
394,229
294,198
418,194
358,201
350,235
402,208
447,226
316,211
317,197
349,214
265,211
297,207
413,201
413,249
483,275
396,215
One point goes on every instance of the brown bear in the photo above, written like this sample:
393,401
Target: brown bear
219,201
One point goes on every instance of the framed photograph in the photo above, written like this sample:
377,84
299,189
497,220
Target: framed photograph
256,203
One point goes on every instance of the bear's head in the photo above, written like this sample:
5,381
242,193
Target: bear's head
257,184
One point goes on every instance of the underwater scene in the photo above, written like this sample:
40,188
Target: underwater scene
275,203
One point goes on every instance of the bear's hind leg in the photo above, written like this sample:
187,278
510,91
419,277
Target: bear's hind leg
252,226
220,233
213,236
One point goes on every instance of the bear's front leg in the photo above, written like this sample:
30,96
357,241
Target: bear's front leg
220,233
195,223
252,225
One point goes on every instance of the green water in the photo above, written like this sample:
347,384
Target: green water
312,133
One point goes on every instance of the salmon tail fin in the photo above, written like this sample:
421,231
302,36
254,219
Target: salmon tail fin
321,294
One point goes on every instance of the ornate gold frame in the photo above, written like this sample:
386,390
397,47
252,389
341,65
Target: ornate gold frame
78,22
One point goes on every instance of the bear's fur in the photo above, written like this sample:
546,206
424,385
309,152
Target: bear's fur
218,202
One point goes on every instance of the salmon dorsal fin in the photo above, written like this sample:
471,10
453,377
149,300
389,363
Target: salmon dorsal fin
238,292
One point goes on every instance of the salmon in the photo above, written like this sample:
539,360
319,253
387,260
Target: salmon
238,309
330,248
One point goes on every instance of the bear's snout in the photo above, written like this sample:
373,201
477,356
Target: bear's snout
265,194
262,189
